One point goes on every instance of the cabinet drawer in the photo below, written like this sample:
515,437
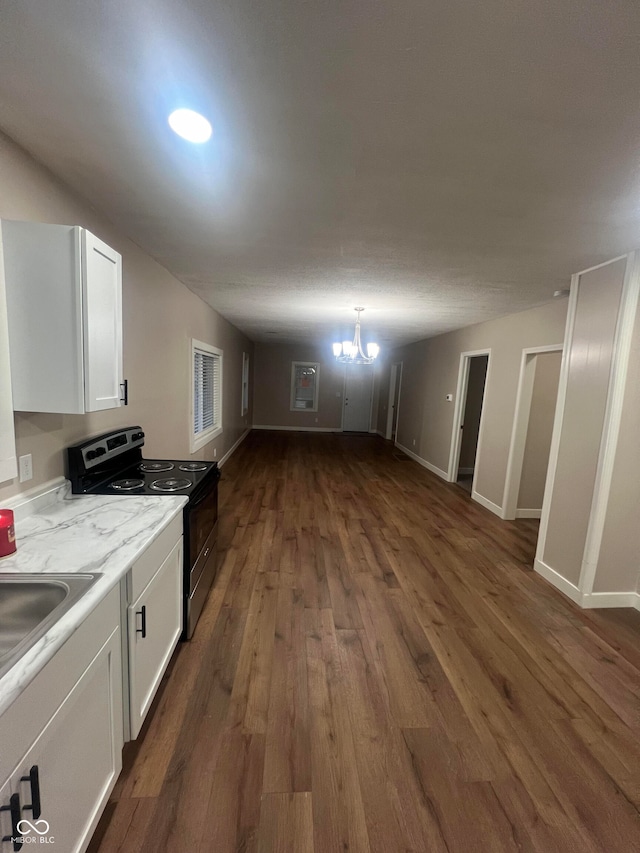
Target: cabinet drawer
145,568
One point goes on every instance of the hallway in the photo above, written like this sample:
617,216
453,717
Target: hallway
379,669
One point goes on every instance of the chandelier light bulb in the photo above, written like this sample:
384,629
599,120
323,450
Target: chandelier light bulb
352,352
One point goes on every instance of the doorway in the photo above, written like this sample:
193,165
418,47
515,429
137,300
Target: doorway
358,398
467,419
394,401
532,431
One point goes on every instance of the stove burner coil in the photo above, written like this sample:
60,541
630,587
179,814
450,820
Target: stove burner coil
154,467
127,485
194,466
171,484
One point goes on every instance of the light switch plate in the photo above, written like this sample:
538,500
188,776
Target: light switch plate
449,398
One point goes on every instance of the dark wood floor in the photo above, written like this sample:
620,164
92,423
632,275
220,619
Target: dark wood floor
378,669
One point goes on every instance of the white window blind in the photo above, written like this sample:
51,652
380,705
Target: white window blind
207,391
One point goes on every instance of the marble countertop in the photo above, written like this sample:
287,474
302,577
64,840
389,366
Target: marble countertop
72,534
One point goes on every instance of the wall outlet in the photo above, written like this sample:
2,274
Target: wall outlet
316,420
26,468
414,442
215,452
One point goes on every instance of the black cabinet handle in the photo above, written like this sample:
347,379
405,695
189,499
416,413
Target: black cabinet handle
34,779
125,392
142,630
14,808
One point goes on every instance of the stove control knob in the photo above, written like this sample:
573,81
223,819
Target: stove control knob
100,451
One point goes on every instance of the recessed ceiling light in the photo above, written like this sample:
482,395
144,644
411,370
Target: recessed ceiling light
190,125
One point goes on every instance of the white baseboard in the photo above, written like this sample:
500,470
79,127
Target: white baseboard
434,470
587,600
611,599
528,513
297,428
565,586
235,447
465,471
487,504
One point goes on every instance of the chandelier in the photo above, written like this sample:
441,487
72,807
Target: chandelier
351,352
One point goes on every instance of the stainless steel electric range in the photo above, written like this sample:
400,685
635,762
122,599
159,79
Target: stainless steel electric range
112,464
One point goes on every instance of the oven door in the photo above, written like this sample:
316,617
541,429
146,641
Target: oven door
202,515
200,567
200,579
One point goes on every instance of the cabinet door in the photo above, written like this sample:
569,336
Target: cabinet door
78,756
8,465
155,625
102,324
6,821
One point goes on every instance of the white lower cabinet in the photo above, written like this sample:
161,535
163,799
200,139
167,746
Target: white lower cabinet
64,775
61,740
9,816
74,756
152,622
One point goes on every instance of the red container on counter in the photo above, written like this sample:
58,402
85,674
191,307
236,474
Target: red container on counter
7,533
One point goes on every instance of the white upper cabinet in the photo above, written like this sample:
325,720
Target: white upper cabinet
8,466
64,305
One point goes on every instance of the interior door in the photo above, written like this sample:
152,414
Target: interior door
474,389
357,398
396,399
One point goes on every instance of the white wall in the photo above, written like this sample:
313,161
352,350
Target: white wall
430,372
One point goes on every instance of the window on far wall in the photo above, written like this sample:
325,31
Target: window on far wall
304,386
245,384
206,393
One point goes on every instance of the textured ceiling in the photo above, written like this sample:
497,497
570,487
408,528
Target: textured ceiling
438,162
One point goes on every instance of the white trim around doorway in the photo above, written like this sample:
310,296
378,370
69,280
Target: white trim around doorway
539,564
519,432
612,420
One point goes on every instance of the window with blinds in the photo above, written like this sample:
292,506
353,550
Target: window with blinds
206,393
